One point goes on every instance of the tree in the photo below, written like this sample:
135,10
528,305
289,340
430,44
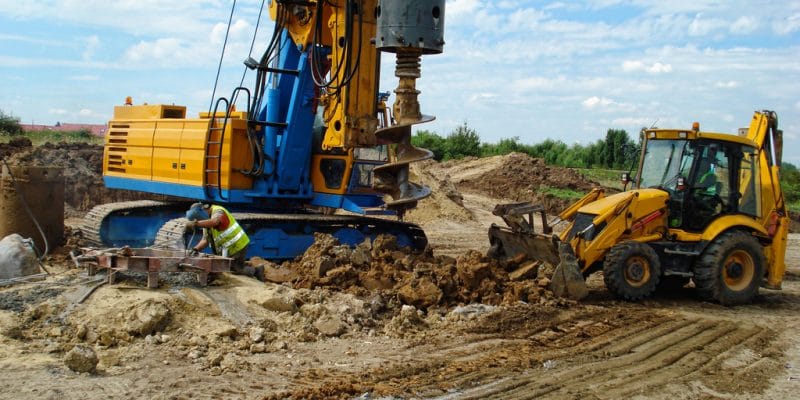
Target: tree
9,124
431,141
463,142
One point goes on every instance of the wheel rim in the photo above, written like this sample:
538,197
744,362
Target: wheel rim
738,270
637,271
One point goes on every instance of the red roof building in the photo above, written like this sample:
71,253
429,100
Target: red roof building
96,129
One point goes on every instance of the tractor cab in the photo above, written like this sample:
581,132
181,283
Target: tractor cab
706,175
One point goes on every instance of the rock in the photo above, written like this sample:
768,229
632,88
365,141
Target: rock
279,302
81,331
214,359
322,265
420,293
330,325
165,338
278,273
543,282
257,334
196,341
147,317
17,258
81,359
361,256
341,252
471,311
280,345
151,340
258,348
56,332
227,330
526,271
194,354
383,243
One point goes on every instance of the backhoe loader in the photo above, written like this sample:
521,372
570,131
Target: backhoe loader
702,206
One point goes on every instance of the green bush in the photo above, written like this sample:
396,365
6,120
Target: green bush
9,125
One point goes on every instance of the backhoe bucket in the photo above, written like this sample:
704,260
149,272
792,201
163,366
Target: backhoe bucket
567,278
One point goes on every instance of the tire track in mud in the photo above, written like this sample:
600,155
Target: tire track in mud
591,352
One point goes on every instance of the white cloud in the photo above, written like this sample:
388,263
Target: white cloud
702,26
655,68
744,25
727,84
787,25
92,43
594,101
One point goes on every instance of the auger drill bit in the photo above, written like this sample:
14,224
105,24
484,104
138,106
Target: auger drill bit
422,21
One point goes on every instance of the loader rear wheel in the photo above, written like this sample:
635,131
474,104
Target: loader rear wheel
730,269
632,270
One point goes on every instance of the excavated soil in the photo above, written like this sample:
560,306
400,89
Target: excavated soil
377,321
515,177
83,172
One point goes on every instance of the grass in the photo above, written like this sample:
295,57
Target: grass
561,193
41,137
608,178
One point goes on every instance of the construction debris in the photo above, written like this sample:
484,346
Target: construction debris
17,258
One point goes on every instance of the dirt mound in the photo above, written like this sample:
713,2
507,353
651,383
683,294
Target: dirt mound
15,145
516,177
421,280
445,201
83,172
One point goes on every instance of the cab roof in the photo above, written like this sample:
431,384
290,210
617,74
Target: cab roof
694,135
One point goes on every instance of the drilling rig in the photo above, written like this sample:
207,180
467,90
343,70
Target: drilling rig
312,134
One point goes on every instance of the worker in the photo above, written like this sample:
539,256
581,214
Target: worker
227,238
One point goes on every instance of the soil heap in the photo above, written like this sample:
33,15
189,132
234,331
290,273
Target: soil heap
519,177
421,280
83,172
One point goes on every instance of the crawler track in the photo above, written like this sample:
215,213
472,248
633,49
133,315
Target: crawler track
172,233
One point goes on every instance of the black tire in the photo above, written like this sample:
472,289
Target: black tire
632,270
730,269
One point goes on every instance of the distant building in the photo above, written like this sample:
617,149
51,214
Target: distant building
96,129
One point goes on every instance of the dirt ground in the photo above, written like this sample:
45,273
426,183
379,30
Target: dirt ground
379,323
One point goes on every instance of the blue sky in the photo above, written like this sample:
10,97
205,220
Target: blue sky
532,69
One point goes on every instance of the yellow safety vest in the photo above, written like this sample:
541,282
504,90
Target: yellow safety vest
233,239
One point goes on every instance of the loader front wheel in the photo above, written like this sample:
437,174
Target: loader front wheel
730,269
632,270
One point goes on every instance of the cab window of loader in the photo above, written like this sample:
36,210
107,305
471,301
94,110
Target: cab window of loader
664,162
748,182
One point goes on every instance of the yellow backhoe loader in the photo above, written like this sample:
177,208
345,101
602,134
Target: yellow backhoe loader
702,206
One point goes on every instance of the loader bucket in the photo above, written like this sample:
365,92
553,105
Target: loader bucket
567,278
507,244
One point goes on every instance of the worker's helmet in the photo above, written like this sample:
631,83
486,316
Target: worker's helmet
198,211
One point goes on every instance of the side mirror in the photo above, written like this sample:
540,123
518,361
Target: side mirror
626,179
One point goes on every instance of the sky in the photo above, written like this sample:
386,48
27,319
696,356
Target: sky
534,70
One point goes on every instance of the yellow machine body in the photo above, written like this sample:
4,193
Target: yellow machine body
157,143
